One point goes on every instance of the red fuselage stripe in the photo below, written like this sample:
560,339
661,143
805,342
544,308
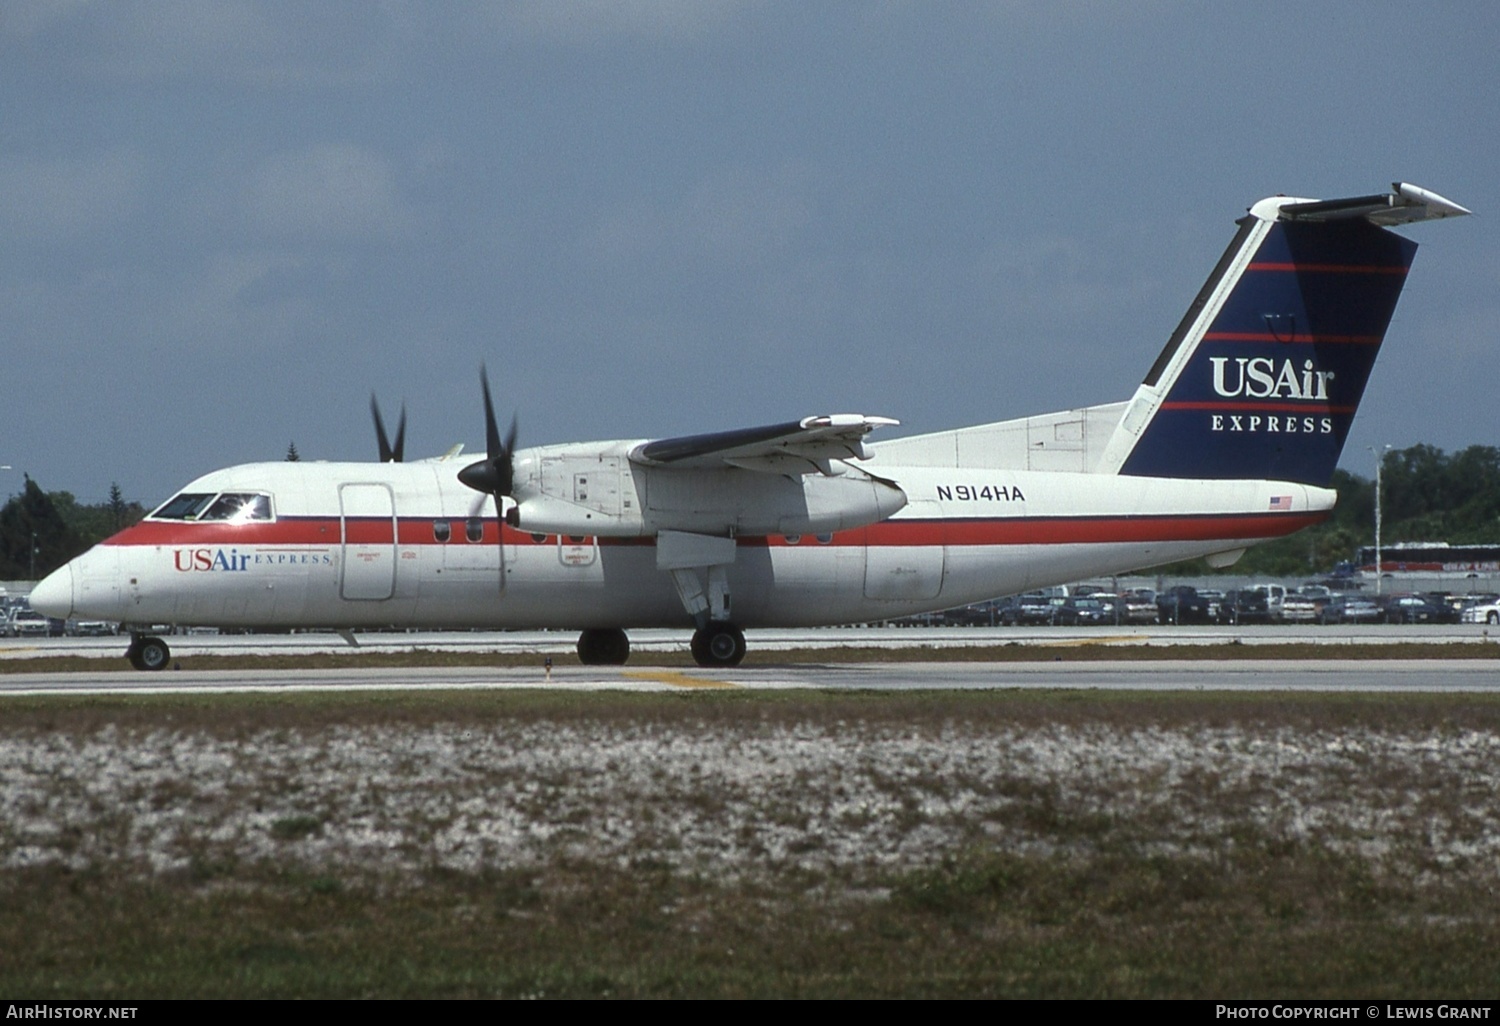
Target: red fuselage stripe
325,532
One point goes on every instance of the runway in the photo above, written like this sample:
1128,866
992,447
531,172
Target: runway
1447,675
1053,668
561,643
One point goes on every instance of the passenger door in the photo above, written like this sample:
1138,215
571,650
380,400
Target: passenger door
367,520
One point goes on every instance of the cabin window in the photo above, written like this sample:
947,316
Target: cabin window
824,539
474,529
793,539
538,538
442,530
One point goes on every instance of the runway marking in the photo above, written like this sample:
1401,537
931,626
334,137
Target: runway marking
679,679
1105,640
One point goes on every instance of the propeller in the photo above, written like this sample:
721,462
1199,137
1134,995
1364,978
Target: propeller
495,474
389,453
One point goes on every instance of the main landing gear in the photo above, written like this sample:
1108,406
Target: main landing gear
718,644
603,646
147,653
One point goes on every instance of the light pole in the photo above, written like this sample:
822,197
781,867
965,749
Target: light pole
1379,461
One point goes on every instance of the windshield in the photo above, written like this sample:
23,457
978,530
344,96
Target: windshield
233,507
239,507
186,506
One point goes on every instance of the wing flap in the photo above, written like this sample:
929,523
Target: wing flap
805,443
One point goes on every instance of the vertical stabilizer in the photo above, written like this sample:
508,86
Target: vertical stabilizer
1262,378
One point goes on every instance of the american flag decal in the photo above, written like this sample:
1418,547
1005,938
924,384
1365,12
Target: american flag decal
1281,502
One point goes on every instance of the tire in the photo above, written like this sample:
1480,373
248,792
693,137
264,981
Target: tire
149,654
718,645
603,646
1493,619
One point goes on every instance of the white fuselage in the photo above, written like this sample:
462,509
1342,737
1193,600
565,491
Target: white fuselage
406,544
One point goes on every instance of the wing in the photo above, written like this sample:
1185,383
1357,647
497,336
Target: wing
796,447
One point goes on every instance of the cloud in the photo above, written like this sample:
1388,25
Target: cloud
64,197
332,191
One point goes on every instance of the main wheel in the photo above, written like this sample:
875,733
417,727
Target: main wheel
603,646
718,644
148,654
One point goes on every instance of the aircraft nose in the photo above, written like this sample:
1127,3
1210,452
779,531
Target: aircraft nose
53,595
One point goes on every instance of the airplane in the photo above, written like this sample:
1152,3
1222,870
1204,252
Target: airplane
1231,439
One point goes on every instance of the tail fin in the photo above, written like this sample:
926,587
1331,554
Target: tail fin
1262,377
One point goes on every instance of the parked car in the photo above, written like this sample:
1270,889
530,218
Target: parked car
1181,603
1484,611
1138,607
1244,605
28,623
1090,610
1212,599
1351,608
1414,608
1319,594
1300,608
1275,599
1035,608
91,628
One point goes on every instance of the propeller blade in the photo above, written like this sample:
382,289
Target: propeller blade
495,474
492,445
389,453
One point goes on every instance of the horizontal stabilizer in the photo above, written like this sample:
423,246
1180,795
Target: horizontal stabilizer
1405,204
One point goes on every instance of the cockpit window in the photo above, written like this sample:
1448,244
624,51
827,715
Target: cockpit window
239,507
186,506
231,507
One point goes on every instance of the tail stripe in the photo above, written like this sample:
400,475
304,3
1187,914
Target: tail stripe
1330,268
1262,380
1266,336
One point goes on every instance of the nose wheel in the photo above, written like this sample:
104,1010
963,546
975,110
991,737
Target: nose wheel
147,653
718,644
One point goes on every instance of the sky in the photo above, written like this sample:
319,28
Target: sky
226,224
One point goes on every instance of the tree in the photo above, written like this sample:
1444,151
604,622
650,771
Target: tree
118,508
35,539
291,453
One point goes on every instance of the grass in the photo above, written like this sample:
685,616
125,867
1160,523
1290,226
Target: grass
779,844
1268,922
